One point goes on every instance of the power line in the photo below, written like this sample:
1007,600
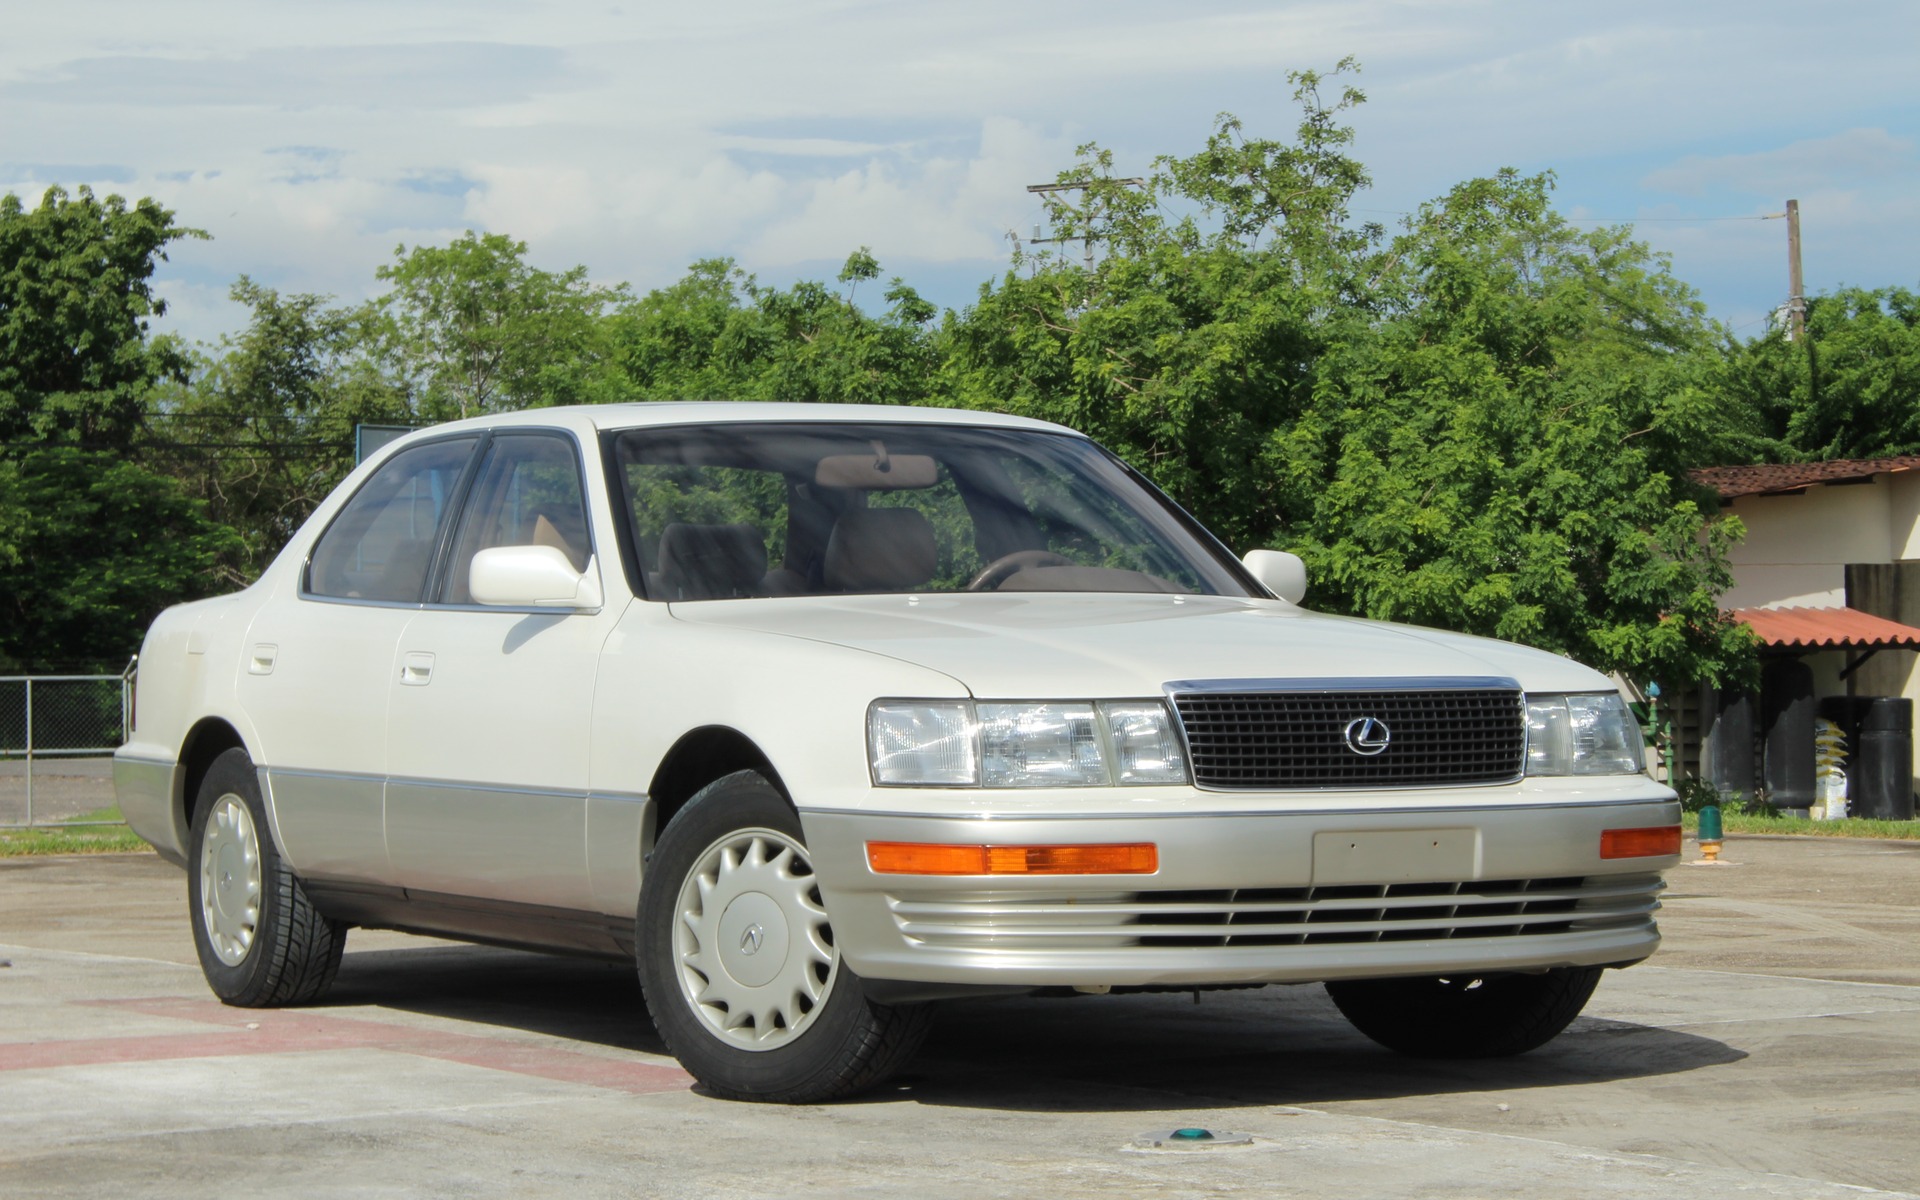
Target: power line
1086,239
258,448
1398,212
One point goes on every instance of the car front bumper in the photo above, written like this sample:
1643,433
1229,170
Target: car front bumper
1264,895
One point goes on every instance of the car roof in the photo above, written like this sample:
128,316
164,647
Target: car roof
595,418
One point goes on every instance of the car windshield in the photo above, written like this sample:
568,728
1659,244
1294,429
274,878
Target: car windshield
800,509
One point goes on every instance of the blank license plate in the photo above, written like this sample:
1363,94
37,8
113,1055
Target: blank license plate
1396,856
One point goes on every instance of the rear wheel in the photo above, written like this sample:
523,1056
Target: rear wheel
1466,1016
261,944
738,962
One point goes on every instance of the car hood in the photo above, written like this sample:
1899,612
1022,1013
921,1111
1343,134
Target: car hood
1032,646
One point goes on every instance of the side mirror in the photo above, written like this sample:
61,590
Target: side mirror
532,577
1281,573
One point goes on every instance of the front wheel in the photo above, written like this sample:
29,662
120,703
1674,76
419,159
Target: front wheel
261,943
738,962
1466,1015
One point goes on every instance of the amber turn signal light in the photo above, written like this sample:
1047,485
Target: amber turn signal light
923,858
1640,843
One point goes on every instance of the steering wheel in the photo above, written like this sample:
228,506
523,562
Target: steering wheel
1007,566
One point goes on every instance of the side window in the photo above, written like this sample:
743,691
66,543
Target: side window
528,493
381,544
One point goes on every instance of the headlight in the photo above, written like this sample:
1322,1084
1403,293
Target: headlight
1066,743
1040,745
1583,734
923,743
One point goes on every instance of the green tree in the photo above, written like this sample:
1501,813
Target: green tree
1482,423
1504,450
91,547
472,327
719,335
1849,389
265,429
76,363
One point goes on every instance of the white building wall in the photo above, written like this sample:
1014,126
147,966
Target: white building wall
1903,514
1797,547
1795,554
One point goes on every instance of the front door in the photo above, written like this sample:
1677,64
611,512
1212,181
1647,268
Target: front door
490,710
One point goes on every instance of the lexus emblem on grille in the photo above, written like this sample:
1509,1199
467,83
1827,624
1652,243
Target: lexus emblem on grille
1367,735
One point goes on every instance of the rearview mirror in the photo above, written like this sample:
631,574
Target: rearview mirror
1281,573
877,472
532,577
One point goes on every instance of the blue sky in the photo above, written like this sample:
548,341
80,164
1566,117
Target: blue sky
312,139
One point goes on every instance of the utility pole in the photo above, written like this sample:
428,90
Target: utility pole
1086,239
1796,290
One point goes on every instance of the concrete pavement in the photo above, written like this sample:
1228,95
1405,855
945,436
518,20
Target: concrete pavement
1771,1049
63,788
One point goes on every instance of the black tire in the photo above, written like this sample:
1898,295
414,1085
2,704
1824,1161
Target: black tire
811,1050
261,943
1466,1016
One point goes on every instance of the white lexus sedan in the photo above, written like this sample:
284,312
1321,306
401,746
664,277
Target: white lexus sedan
821,714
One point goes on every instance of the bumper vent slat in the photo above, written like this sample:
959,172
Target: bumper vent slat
1284,916
1299,739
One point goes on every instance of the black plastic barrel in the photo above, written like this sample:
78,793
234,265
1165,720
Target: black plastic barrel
1847,712
1729,756
1786,714
1881,782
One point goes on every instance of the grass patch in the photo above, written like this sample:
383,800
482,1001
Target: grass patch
1851,827
71,837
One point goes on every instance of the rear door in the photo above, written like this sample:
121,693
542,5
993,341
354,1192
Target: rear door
315,675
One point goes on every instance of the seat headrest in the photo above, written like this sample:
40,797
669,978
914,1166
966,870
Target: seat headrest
880,550
564,531
710,562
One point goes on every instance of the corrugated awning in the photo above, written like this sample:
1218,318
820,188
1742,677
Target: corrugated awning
1828,629
1774,478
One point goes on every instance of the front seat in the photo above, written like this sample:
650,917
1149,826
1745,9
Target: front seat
710,562
880,550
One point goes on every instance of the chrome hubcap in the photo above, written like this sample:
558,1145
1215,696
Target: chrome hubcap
755,953
230,880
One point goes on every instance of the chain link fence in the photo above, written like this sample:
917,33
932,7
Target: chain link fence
57,738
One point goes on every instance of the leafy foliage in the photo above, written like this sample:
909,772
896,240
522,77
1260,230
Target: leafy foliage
1482,420
266,428
91,547
76,363
1850,389
1482,423
472,327
1503,449
719,335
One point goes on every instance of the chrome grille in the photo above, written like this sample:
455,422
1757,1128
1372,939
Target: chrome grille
1279,916
1297,739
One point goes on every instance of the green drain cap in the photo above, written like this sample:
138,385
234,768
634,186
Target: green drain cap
1191,1138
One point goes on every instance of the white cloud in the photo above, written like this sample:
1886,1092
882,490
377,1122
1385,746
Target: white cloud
311,139
1856,155
941,209
807,147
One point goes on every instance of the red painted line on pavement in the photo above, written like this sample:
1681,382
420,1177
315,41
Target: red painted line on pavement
296,1031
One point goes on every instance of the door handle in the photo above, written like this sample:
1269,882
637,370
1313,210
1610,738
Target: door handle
416,669
261,661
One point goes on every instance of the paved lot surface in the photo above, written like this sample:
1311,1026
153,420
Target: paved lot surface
1774,1051
63,788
